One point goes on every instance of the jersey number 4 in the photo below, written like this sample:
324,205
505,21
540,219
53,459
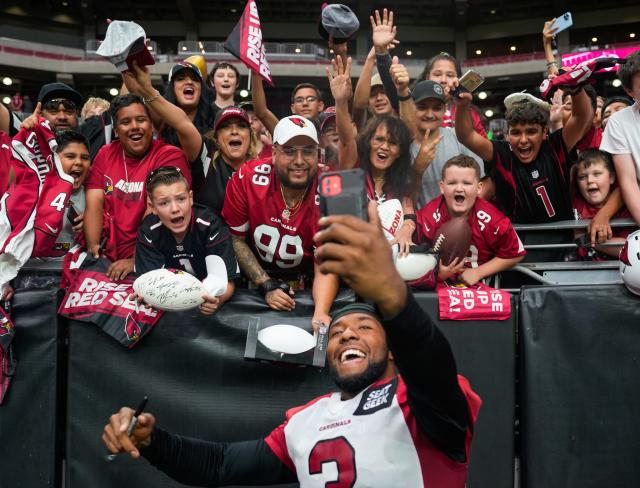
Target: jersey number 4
58,202
339,451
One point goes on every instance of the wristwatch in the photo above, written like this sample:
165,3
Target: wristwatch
271,285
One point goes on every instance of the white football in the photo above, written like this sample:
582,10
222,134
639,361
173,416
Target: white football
414,266
287,339
391,217
171,290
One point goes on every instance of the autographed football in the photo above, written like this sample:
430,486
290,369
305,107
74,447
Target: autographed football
286,339
391,217
414,265
169,289
453,240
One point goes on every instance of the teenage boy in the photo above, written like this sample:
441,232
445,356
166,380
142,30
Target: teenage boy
495,246
180,235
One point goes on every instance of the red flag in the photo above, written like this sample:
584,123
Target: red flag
245,42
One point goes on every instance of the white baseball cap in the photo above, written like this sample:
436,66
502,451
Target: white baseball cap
293,126
124,43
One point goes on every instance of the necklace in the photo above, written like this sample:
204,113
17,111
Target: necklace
288,211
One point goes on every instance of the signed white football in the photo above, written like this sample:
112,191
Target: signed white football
171,290
391,217
287,339
414,265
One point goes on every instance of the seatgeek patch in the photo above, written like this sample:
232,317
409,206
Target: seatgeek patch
377,397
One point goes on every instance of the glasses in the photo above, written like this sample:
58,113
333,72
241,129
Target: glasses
291,152
308,99
380,141
163,171
53,106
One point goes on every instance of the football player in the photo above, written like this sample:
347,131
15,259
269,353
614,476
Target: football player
381,428
495,246
180,235
272,209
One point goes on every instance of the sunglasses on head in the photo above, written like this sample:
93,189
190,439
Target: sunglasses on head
54,104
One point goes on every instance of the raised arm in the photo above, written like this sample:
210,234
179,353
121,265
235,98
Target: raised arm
384,36
400,77
363,89
139,82
465,132
580,121
340,83
260,109
547,43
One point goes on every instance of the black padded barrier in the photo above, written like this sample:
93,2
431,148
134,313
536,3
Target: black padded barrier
31,453
580,389
193,370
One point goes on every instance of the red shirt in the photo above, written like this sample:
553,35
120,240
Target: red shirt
123,181
254,207
586,211
591,140
5,161
449,119
492,234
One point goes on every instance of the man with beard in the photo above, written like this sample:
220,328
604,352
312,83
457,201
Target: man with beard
116,193
272,210
381,429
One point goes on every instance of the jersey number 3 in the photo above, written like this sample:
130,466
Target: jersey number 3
339,451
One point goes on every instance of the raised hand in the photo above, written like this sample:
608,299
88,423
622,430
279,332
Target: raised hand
384,32
31,121
399,75
340,80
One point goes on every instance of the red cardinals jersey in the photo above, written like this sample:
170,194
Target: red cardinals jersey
254,207
123,181
372,438
584,211
492,234
36,144
5,161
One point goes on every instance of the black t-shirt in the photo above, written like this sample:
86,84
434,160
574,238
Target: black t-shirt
537,192
207,235
210,180
98,130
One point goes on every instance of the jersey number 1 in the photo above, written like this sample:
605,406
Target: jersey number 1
542,193
336,450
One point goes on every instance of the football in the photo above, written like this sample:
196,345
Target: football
171,290
453,240
286,339
391,217
415,265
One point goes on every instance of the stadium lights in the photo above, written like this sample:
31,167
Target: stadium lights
482,95
512,48
114,92
184,48
632,35
150,48
6,100
244,93
7,81
492,12
594,39
409,53
478,52
297,50
616,83
489,113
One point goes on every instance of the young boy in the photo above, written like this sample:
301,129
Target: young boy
495,246
181,235
594,179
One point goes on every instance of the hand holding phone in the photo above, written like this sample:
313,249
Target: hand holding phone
561,23
343,193
469,82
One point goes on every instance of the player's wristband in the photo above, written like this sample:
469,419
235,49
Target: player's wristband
410,217
271,285
405,97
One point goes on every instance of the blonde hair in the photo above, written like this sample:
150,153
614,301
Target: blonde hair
252,152
94,102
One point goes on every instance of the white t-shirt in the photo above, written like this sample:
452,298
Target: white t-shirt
622,135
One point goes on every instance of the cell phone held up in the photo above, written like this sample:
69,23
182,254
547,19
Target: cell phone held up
343,193
562,23
72,213
469,82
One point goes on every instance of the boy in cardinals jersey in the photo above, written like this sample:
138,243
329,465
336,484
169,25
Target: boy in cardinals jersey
401,417
272,209
495,246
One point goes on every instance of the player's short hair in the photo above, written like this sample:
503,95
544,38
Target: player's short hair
439,57
223,65
164,175
527,113
462,161
626,71
300,86
122,101
591,93
69,136
595,156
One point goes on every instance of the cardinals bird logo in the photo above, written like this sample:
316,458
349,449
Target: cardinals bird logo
132,328
108,185
300,122
6,327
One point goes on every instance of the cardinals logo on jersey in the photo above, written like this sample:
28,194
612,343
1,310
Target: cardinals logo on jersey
108,185
132,329
299,121
6,327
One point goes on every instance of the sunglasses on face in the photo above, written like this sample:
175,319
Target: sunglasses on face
54,105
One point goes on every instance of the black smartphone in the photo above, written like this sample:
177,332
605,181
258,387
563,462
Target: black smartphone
343,193
72,213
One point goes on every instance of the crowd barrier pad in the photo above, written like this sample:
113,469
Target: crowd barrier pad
580,395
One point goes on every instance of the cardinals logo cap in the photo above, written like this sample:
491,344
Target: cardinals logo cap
125,43
293,126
